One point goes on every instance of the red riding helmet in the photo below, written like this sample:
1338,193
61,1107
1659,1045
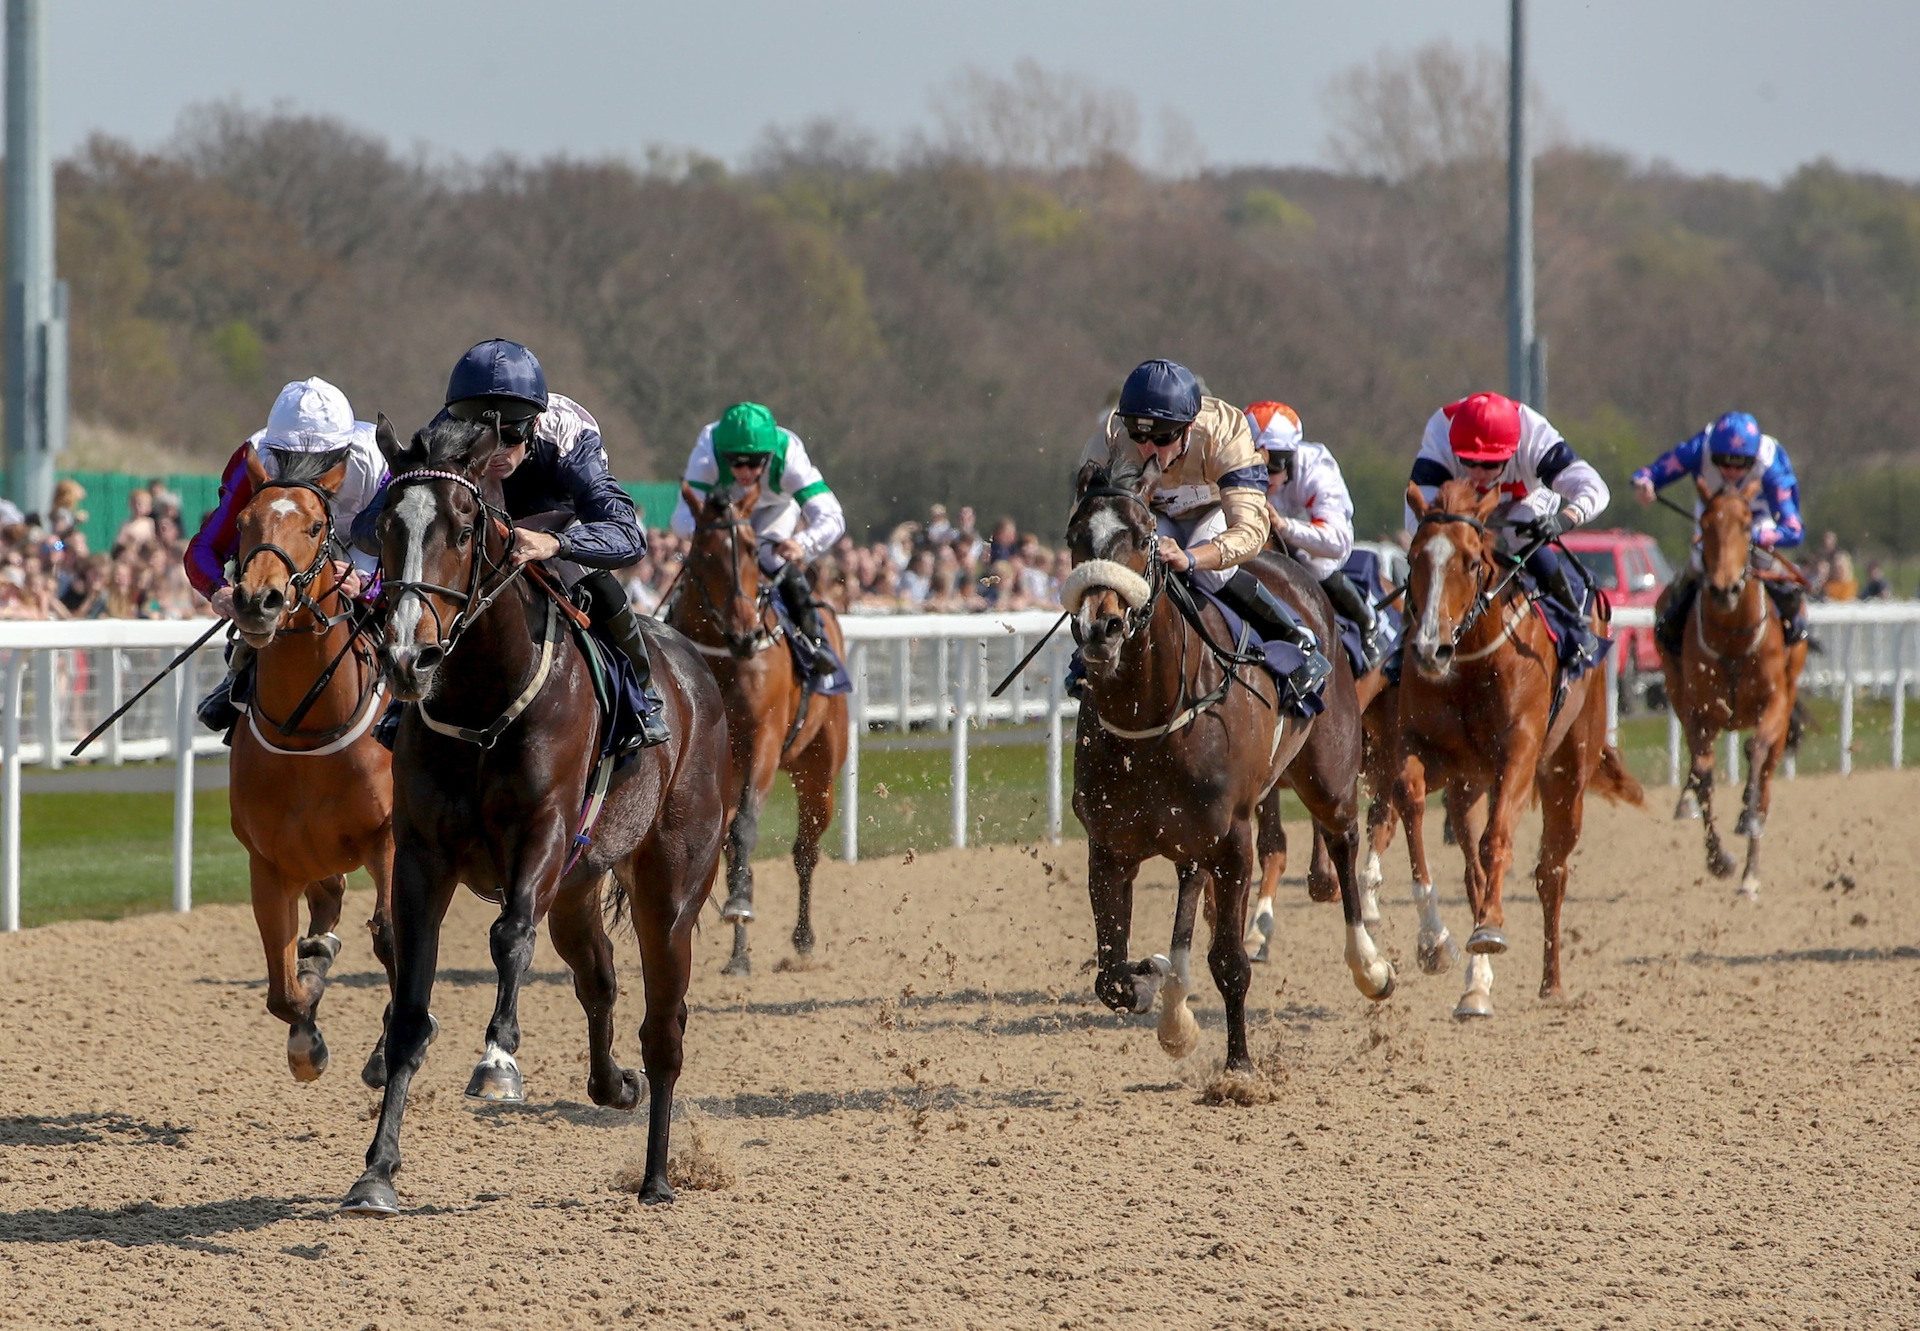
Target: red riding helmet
1484,427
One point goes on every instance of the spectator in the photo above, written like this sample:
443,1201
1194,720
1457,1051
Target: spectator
939,529
1876,588
138,528
1841,585
1006,540
916,584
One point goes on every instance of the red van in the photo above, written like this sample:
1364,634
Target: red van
1632,570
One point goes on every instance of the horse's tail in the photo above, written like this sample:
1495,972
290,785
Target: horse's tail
1613,781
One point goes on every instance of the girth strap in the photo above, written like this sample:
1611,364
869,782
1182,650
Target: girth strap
486,738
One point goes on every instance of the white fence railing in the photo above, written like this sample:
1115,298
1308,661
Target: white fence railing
927,671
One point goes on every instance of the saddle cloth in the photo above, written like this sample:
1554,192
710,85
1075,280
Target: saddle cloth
802,650
1279,659
1363,567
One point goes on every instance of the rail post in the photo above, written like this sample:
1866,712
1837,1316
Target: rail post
10,887
902,683
46,708
1673,745
1900,645
962,696
1613,695
1054,774
116,694
183,718
850,774
1846,702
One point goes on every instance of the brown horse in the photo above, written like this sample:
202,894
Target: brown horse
1476,706
311,794
1735,672
491,785
1379,704
1174,752
725,608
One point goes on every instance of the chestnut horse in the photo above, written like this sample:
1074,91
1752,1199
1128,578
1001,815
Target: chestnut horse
725,609
1735,672
1176,749
1477,707
490,787
311,794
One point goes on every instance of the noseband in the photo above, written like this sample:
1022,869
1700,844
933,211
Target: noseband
300,579
1135,618
472,604
739,645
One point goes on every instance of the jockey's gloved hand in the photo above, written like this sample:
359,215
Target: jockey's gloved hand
1545,529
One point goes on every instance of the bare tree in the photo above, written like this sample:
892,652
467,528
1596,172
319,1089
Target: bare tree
1034,120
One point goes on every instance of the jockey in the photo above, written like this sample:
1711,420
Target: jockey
1208,497
551,458
310,417
797,518
1311,513
1498,443
1724,455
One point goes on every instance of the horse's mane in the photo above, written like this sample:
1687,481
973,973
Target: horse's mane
294,465
1458,496
445,443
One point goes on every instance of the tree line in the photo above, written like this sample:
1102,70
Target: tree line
943,318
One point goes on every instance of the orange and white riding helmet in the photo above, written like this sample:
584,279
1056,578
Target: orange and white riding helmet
1276,430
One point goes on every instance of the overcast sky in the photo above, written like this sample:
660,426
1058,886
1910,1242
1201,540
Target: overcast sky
1750,88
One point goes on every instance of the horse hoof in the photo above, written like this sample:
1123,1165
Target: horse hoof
320,947
739,908
1749,889
1486,941
1322,889
1473,1004
1438,953
737,965
1688,809
306,1054
803,943
656,1194
1720,865
1261,953
497,1082
374,1075
373,1198
1751,825
625,1095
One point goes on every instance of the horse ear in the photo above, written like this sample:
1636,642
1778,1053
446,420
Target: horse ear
1751,490
691,498
383,435
1488,502
1091,474
333,477
484,446
1700,484
256,468
1417,501
744,500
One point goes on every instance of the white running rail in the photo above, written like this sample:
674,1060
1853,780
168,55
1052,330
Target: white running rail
927,671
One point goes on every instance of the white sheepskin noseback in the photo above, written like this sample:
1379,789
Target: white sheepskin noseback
1117,577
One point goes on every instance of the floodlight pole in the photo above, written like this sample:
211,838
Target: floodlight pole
36,342
1526,356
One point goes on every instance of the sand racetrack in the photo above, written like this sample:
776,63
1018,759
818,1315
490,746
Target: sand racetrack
939,1126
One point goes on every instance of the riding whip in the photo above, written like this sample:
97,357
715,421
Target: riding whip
171,666
1044,639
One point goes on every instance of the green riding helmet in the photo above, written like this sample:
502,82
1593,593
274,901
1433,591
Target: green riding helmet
746,429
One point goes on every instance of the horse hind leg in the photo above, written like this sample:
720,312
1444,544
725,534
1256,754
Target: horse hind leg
742,835
813,796
1271,844
294,981
1178,1032
1435,949
373,1073
664,901
1232,871
1764,748
1700,786
579,935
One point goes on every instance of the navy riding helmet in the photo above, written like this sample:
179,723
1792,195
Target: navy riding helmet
497,376
1160,390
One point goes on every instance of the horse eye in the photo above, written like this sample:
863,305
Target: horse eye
314,530
466,535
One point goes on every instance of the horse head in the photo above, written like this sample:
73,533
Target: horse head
290,520
1726,538
723,564
1116,564
1450,565
436,545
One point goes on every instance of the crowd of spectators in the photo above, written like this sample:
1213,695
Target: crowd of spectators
48,570
941,565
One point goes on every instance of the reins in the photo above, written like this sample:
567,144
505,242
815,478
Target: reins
472,604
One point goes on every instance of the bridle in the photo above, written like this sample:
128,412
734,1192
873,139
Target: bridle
301,579
742,646
1485,596
479,564
1135,618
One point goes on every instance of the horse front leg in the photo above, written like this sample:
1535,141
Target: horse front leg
1231,867
511,940
1465,818
1436,949
813,798
293,987
379,865
743,834
422,892
1699,795
1764,748
1122,985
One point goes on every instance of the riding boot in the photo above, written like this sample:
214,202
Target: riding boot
797,596
1670,628
1583,647
387,729
220,709
1791,601
609,614
1273,619
1353,604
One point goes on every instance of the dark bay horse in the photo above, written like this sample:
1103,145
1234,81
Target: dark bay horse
724,607
1476,709
491,772
1173,756
311,790
1735,672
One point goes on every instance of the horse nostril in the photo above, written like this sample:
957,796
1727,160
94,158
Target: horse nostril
426,659
1109,624
271,600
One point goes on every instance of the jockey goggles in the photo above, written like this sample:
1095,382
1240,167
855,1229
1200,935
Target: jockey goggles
1732,461
754,461
1152,430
